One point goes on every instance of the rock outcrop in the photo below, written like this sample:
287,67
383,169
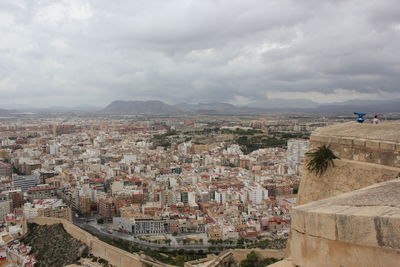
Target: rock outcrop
52,246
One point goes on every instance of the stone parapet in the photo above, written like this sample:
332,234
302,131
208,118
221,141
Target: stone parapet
386,131
356,143
350,215
378,144
346,176
365,220
313,251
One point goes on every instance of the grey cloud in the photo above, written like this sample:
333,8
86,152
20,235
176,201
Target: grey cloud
87,51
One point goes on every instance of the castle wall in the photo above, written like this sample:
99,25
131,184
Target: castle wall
369,154
350,215
310,251
347,175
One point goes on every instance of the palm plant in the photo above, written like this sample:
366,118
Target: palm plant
320,160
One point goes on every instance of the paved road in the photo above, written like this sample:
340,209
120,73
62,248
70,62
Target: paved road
84,225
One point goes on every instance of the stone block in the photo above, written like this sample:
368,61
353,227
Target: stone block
372,144
357,225
397,147
309,251
359,142
334,139
321,221
298,219
388,229
317,138
387,146
346,141
356,229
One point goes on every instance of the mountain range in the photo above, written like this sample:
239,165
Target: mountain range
141,107
156,107
4,112
348,107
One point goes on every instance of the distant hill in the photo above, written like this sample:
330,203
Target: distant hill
259,107
156,107
4,111
141,107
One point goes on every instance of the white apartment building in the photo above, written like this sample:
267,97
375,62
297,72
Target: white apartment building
295,154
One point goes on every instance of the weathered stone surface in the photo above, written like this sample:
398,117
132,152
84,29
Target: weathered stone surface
398,147
388,146
386,131
310,251
347,175
298,220
387,229
385,194
359,142
367,143
368,217
321,221
372,144
350,215
347,141
356,225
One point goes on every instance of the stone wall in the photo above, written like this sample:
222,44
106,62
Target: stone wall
114,255
368,154
372,151
350,215
313,251
347,175
358,228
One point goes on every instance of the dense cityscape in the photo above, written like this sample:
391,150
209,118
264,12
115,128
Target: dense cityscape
186,183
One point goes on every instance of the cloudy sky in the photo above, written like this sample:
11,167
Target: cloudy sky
92,52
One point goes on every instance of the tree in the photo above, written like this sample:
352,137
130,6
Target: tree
251,260
100,220
180,260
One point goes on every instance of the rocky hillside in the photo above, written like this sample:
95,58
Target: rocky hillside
52,246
